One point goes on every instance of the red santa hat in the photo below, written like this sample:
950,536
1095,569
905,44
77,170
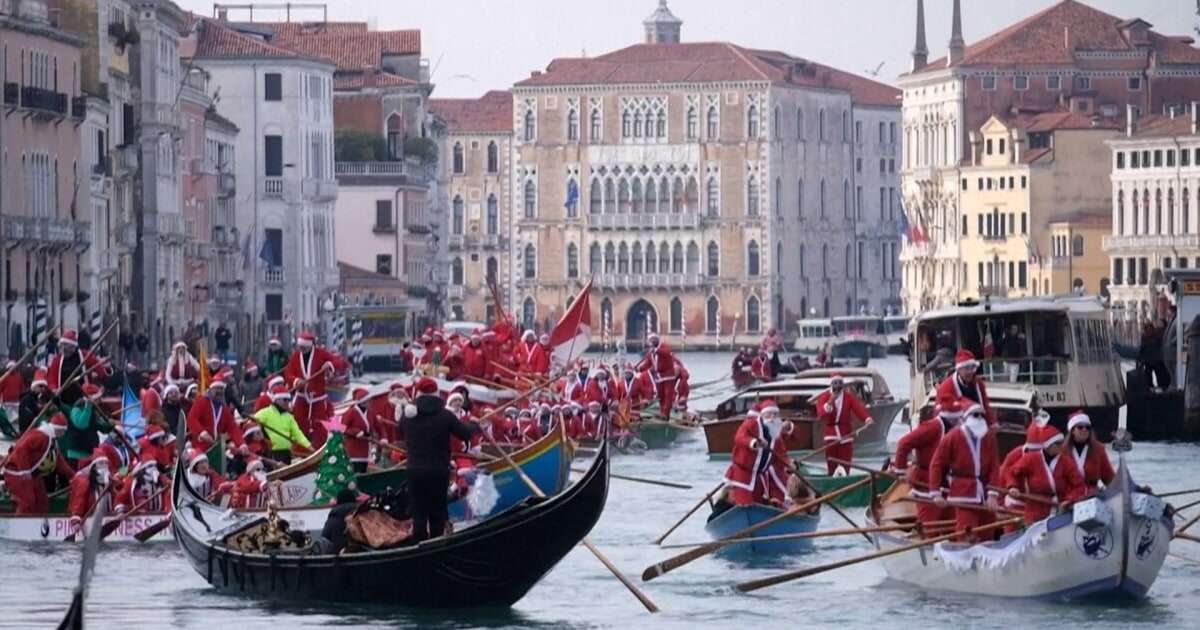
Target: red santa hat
179,345
273,342
194,457
69,337
836,379
170,389
250,428
528,334
58,420
1079,419
1050,435
454,397
191,390
98,458
426,385
964,359
544,339
652,337
951,410
92,391
39,378
395,385
768,406
305,338
280,392
359,393
594,406
752,412
1033,437
154,432
275,380
253,464
250,366
217,381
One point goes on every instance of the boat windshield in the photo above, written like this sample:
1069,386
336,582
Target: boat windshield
895,325
1027,347
858,326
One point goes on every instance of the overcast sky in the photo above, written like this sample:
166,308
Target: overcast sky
477,45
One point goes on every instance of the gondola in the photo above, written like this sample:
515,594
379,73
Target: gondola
491,564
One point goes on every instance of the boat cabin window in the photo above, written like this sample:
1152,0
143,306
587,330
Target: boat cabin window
895,325
1027,347
858,326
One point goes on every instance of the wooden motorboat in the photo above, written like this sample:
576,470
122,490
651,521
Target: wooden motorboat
1112,544
491,564
739,517
794,396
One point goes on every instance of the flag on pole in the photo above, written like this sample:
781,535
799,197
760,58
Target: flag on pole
205,377
573,333
572,195
131,416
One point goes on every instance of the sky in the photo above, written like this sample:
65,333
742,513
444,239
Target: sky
477,45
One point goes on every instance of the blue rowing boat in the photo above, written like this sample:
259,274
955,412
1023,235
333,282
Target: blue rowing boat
547,462
740,517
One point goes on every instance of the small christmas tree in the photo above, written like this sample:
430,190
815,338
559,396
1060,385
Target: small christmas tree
334,473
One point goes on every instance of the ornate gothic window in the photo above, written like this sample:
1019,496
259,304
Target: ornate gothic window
493,158
714,259
530,262
753,319
530,199
572,260
459,158
752,259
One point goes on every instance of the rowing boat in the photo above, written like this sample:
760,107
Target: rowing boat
739,517
1111,544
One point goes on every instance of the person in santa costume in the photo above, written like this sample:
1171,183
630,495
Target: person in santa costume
154,445
1049,479
964,465
173,411
151,397
474,359
358,433
264,398
307,371
72,368
86,423
601,390
1033,442
33,401
1087,453
144,485
280,426
203,478
838,408
250,488
276,358
539,357
921,442
256,441
524,351
965,386
182,369
683,387
91,482
759,467
35,455
660,363
527,427
212,417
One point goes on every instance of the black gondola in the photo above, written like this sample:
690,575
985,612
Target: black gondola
491,564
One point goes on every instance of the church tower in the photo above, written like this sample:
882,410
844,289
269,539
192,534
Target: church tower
920,53
662,27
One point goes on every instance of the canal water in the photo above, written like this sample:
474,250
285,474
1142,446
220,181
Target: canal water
153,586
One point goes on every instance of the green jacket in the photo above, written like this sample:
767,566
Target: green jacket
280,427
84,424
273,362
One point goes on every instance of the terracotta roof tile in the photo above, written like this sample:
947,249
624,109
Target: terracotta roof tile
491,112
217,40
1156,126
1054,36
358,80
706,62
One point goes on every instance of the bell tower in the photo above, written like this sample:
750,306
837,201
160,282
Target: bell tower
662,27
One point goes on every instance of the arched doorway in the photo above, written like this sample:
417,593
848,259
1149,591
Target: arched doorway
640,320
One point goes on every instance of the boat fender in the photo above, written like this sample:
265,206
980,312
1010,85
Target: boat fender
482,497
1093,514
1147,506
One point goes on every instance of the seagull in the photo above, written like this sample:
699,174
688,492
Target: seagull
875,72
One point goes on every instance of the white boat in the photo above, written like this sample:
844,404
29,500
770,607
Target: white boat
54,528
859,337
814,335
1112,544
1063,348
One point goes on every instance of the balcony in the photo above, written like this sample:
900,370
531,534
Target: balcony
369,169
44,103
456,292
993,238
493,241
629,281
79,107
1151,241
12,94
657,221
171,229
273,276
226,185
319,190
46,231
125,160
273,187
455,241
365,173
102,167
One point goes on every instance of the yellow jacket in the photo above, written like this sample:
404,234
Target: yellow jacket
280,428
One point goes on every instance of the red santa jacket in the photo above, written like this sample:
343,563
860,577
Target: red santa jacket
1057,480
133,493
36,454
381,415
1091,462
358,432
310,367
248,492
660,362
603,394
921,442
11,387
1006,481
539,360
474,361
214,419
963,467
682,386
92,366
181,370
950,392
757,475
640,389
83,496
523,354
164,455
151,401
499,428
837,414
528,430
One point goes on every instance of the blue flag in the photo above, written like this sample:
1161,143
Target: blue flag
572,195
131,418
267,253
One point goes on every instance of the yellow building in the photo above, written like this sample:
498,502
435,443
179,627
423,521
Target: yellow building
1030,194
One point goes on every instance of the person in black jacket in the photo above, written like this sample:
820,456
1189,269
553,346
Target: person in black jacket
334,531
32,401
427,428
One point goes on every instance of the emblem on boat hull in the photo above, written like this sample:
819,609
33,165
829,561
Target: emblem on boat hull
1147,536
1096,544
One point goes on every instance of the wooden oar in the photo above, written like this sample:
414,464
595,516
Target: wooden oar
965,506
112,526
1183,528
1177,493
670,564
650,606
1025,496
830,445
794,468
690,512
29,353
1186,506
1179,534
818,534
754,585
652,482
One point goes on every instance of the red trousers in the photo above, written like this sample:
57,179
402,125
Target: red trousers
666,396
967,517
928,513
843,451
29,493
309,416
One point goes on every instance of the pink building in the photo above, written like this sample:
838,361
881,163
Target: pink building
42,183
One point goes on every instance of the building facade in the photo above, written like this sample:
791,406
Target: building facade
1155,226
45,225
479,135
1069,56
706,189
282,104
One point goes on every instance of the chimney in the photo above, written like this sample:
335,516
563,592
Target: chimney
223,15
957,46
1130,121
920,52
